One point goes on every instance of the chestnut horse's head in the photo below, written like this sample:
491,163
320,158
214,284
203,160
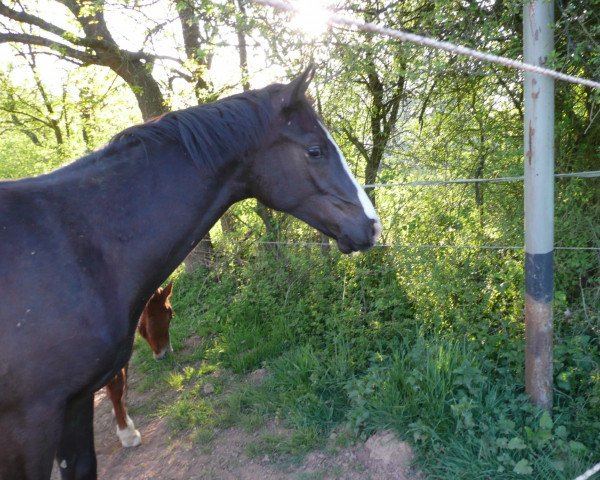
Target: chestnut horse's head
155,320
299,169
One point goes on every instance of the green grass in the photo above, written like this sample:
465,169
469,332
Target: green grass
360,344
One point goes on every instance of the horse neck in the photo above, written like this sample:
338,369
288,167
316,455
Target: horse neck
148,212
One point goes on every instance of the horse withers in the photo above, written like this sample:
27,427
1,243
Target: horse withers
84,247
154,328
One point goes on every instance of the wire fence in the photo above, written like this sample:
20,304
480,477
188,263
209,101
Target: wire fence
419,183
403,246
337,19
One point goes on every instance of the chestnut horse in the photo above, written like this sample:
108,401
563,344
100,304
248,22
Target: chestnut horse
84,247
154,327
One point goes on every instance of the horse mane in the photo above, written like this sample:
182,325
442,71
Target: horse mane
212,132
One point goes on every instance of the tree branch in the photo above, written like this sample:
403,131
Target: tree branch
91,19
26,38
25,114
29,19
74,61
356,142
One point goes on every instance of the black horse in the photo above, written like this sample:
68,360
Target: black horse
84,247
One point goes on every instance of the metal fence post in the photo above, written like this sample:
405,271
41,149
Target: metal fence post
538,42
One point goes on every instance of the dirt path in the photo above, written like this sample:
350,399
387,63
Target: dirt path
165,457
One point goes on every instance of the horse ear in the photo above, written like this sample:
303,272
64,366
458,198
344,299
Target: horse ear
168,290
294,91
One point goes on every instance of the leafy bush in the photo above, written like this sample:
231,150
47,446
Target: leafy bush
430,345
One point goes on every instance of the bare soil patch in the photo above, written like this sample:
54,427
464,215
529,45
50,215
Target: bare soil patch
166,456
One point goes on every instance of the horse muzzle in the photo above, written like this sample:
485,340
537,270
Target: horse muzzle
163,353
359,239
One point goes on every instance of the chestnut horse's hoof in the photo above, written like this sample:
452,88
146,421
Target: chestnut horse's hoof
129,436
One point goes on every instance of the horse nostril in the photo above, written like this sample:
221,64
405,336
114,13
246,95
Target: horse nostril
162,354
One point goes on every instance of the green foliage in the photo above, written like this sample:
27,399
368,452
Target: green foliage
374,342
43,129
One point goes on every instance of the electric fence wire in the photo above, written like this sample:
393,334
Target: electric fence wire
403,246
418,183
589,473
337,19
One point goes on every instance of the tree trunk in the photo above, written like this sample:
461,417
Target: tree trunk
146,90
133,68
263,212
204,253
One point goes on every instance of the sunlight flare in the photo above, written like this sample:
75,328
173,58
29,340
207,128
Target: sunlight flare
311,17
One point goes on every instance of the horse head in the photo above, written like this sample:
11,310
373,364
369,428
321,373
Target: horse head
155,320
299,169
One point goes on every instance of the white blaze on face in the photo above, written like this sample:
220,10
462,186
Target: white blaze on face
365,201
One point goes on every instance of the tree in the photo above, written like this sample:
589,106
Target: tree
93,46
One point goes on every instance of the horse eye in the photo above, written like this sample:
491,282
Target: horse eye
314,151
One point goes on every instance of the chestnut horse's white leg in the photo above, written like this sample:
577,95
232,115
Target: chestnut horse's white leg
128,435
